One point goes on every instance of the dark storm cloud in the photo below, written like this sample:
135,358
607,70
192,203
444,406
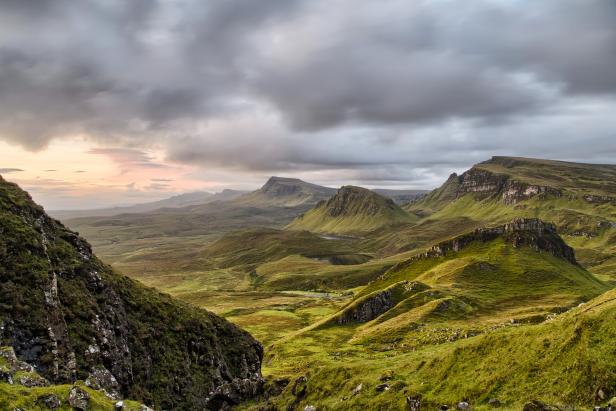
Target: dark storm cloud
386,89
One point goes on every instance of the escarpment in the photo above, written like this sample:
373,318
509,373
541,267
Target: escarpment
367,308
483,184
530,232
71,317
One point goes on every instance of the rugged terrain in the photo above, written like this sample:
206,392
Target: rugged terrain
71,317
504,273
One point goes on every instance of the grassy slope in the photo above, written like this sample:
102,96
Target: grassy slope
562,361
433,351
272,314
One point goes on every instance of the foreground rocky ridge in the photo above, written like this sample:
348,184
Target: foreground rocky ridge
71,317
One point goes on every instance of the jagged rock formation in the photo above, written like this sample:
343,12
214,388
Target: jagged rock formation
530,232
367,308
71,317
351,210
484,184
512,180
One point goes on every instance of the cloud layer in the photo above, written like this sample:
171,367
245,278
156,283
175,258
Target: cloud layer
387,92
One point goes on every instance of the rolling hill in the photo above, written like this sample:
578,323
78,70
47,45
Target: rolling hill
67,316
353,210
406,301
453,310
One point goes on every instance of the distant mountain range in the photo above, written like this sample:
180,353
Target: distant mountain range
181,200
276,192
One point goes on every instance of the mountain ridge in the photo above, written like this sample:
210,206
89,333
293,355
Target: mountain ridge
68,314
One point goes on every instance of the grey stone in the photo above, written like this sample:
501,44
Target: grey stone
50,401
78,399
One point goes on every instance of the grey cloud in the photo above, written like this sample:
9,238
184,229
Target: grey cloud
385,90
128,158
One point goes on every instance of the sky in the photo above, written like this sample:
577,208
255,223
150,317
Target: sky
106,102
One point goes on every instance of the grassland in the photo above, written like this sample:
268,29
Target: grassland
563,361
485,323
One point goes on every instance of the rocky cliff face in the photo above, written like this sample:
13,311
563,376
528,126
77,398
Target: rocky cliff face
484,184
530,232
368,308
71,317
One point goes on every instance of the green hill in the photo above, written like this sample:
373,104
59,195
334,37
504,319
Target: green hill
566,362
353,210
486,303
69,316
286,192
579,198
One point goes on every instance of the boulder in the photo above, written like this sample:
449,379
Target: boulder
382,387
232,393
49,401
536,405
102,379
78,399
463,405
310,408
358,389
299,387
32,380
414,402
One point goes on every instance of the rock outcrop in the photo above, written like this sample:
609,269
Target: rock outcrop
368,308
484,184
71,317
530,232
